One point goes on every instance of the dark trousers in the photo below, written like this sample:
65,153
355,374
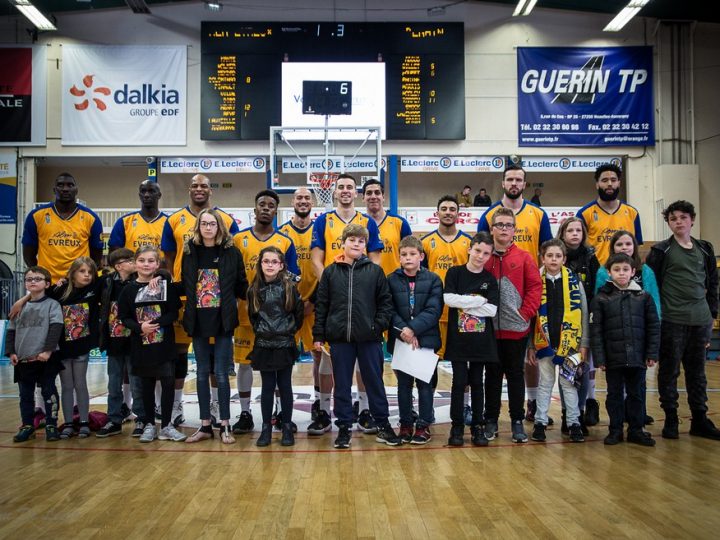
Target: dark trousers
50,397
370,360
681,344
167,384
467,373
630,408
282,379
405,384
512,364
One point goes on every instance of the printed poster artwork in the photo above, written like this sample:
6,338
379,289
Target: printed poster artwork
208,288
15,94
76,320
124,95
146,294
8,186
150,313
470,323
117,328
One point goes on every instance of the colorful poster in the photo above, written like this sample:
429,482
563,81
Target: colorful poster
585,96
124,95
22,95
8,186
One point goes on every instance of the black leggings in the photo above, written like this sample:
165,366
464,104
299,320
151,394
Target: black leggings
166,398
282,379
464,374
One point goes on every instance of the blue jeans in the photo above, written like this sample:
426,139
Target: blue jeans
405,398
369,356
116,366
223,354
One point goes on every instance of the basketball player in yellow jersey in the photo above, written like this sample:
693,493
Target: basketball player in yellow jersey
178,229
532,228
607,214
325,247
445,247
392,228
55,234
141,228
299,229
250,242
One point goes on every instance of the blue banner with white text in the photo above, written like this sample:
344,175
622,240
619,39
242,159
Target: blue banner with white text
585,96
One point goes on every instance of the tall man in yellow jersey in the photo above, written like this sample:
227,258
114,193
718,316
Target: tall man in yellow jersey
603,217
532,228
445,247
57,233
392,228
607,214
251,242
177,230
299,230
141,228
326,246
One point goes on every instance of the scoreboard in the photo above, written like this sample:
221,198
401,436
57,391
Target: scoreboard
241,74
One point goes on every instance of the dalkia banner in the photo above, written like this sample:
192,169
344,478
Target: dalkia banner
585,96
23,75
124,95
8,186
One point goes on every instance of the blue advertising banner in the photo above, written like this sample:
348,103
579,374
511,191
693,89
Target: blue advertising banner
585,96
8,186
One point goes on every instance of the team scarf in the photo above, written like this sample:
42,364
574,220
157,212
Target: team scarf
571,329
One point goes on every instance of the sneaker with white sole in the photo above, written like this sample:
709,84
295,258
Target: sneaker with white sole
170,433
177,416
322,424
108,430
149,434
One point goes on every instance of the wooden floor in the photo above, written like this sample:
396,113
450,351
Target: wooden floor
118,488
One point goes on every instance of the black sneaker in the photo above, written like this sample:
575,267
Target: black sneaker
314,409
613,438
109,429
467,415
51,433
491,429
576,434
648,420
670,428
321,424
456,436
406,432
518,432
126,413
478,436
355,411
643,438
538,433
139,428
703,427
245,423
386,434
592,412
343,440
531,410
366,423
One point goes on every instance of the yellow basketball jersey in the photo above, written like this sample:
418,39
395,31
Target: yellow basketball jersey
532,226
601,226
327,234
392,229
132,231
302,238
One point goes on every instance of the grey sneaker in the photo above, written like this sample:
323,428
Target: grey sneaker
169,433
518,432
139,428
491,430
149,434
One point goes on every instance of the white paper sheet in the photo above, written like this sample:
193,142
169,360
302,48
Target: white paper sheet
420,363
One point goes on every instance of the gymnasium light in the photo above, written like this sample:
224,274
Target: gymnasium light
32,13
213,6
524,7
626,13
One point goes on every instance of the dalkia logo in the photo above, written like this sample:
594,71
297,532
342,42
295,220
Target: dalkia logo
87,82
145,95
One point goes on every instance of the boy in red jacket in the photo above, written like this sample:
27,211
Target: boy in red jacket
520,286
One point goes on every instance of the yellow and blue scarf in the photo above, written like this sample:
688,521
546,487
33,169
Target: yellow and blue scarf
571,330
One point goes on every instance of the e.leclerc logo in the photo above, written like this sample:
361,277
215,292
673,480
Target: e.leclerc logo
445,162
564,164
146,96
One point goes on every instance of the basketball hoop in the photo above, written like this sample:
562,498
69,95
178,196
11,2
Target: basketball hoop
323,185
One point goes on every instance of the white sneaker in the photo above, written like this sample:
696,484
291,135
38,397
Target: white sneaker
169,433
215,414
149,433
177,416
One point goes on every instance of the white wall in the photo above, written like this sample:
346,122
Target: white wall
491,106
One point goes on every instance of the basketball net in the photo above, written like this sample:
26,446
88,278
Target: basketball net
323,186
